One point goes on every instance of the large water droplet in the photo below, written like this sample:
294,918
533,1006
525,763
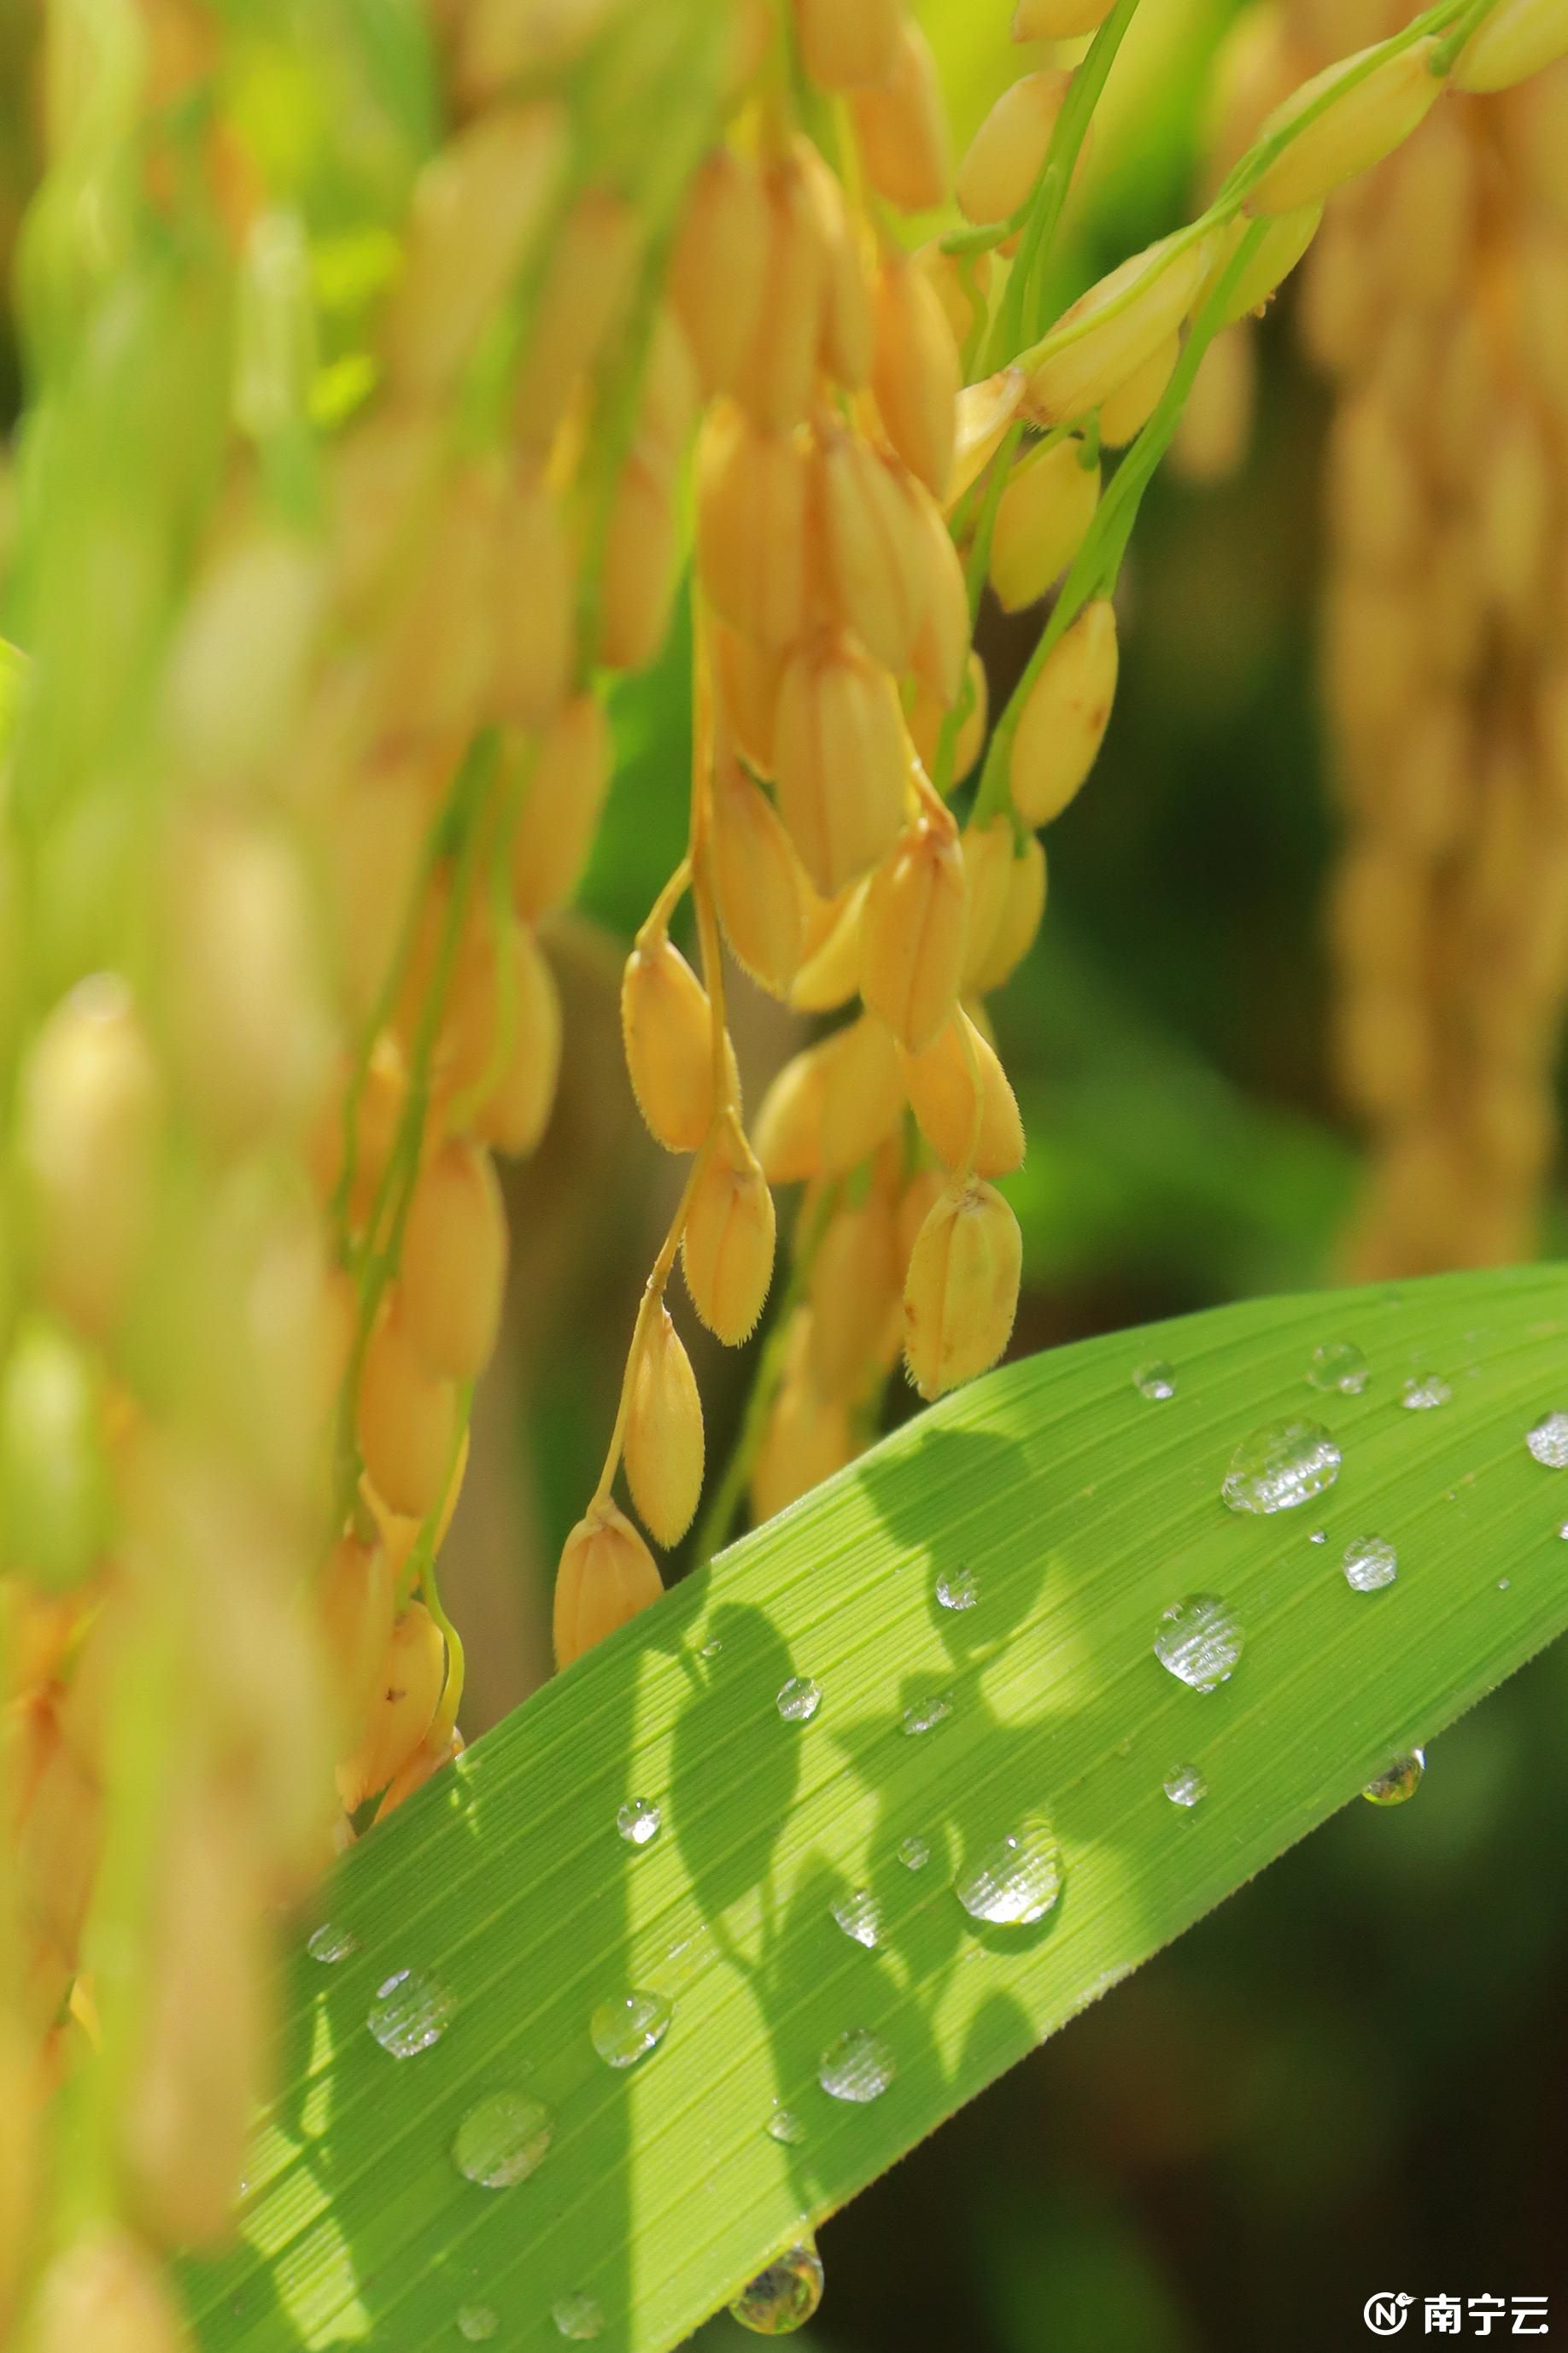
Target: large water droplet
1338,1365
1156,1380
1548,1441
1424,1392
958,1588
913,1853
477,2324
1199,1642
800,1699
626,2028
859,1916
1401,1782
637,1821
1017,1881
411,2010
784,2297
1370,1563
579,2317
1186,1785
857,2067
503,2139
328,1944
1281,1465
784,2126
925,1715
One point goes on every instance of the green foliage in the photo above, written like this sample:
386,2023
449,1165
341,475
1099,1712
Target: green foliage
1084,1509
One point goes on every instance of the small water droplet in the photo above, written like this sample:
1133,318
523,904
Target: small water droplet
913,1853
858,1915
411,2010
477,2324
857,2067
782,2298
1281,1465
1156,1380
1186,1785
925,1715
625,2029
1548,1441
1503,1583
710,1650
800,1699
784,2126
329,1944
502,2140
1199,1642
958,1588
637,1821
1319,1535
1400,1782
1424,1392
1338,1365
1016,1882
1370,1563
580,2316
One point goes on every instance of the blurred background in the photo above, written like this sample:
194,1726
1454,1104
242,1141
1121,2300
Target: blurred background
1352,2077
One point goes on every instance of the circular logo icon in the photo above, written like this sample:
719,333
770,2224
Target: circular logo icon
1385,2312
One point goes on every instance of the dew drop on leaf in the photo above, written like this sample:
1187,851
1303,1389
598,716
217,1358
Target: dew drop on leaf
800,1699
958,1588
1156,1381
858,2067
1400,1782
925,1715
1548,1441
858,1915
502,2140
411,2010
782,2298
1338,1365
1015,1880
784,2126
477,2324
1186,1785
637,1821
1370,1562
580,2316
1280,1466
1424,1392
913,1853
1319,1535
1199,1642
329,1944
626,2028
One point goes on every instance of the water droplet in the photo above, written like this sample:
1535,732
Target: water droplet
782,2298
503,2139
626,2030
1548,1441
1423,1392
1338,1365
328,1944
958,1588
710,1650
784,2126
1370,1563
579,2317
1503,1583
1186,1785
858,2066
637,1821
800,1699
924,1714
477,2324
1401,1782
1156,1381
913,1853
1281,1465
1017,1880
411,2011
1319,1535
858,1915
1199,1642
